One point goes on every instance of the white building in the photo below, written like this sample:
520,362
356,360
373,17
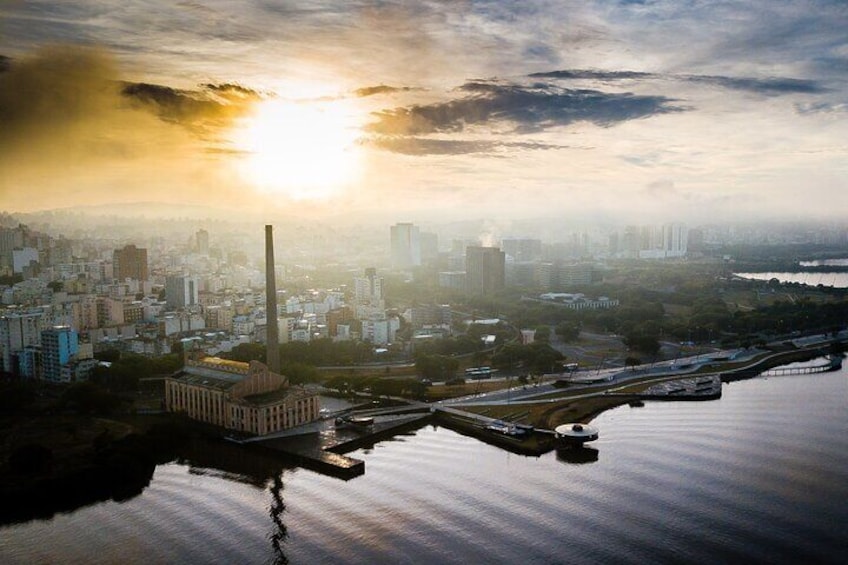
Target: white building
405,245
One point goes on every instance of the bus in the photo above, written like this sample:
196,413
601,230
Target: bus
478,372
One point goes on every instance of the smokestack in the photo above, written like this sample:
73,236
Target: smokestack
272,342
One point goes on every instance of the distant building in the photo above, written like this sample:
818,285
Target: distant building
23,258
576,274
202,242
369,295
528,337
59,347
522,249
130,263
452,279
484,270
181,291
239,396
429,247
18,331
405,245
675,240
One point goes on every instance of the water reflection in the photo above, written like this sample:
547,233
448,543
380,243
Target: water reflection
280,533
577,455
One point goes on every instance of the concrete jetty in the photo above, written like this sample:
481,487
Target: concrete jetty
319,446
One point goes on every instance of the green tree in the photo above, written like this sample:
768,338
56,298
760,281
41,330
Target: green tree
632,362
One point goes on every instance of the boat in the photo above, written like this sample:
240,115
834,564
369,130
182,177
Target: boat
510,430
355,422
575,435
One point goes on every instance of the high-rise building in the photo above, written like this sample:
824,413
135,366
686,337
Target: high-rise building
406,246
18,331
59,346
369,298
202,241
429,246
522,249
484,270
674,240
130,263
181,291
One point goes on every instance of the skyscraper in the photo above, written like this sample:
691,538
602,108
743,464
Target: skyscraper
484,270
406,246
130,263
202,241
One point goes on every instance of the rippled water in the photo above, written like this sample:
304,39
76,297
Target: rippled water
760,475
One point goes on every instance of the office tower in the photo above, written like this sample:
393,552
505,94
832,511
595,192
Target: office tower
181,291
130,263
59,346
272,336
202,242
484,270
406,246
429,247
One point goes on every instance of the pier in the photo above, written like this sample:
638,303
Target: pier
834,363
320,446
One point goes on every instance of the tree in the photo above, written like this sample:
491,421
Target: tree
436,367
632,362
568,331
645,343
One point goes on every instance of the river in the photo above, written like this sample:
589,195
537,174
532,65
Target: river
836,280
760,475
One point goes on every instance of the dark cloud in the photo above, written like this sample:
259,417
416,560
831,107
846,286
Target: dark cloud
525,109
381,89
424,146
53,89
767,86
592,74
5,63
192,108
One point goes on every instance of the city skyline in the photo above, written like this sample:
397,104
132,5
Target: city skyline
605,111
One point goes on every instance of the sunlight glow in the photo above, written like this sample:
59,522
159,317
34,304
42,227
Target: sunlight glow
305,151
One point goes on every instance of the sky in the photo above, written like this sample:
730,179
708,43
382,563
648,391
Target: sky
622,111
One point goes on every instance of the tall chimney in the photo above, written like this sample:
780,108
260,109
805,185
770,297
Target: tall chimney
272,343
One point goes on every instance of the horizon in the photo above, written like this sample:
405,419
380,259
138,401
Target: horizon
608,113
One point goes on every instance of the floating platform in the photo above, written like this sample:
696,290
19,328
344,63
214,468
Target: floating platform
575,434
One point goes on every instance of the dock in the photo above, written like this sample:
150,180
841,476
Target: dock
320,447
834,363
702,387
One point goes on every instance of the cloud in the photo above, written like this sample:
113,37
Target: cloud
70,127
427,146
215,106
766,86
381,89
524,109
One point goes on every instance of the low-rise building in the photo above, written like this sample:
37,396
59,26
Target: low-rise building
246,397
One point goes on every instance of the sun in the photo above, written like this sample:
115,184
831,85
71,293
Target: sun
305,151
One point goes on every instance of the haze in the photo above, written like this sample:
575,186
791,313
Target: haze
607,111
